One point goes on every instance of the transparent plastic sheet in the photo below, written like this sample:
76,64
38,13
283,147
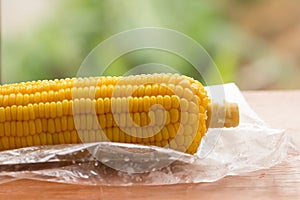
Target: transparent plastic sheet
251,146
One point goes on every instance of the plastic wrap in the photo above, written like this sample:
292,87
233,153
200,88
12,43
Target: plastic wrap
251,146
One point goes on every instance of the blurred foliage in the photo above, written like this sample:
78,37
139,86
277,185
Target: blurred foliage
57,47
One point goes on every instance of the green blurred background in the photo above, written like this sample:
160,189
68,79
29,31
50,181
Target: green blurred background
254,43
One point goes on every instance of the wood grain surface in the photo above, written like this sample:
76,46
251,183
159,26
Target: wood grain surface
281,109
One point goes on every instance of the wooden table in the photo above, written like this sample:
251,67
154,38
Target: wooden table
281,109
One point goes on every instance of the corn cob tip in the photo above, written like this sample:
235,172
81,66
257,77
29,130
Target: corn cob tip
226,115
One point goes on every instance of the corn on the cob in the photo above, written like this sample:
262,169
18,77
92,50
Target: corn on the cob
166,110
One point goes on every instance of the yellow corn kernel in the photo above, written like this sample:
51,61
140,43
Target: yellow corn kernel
43,138
2,114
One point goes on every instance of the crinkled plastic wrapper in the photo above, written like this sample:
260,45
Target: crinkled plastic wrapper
251,146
